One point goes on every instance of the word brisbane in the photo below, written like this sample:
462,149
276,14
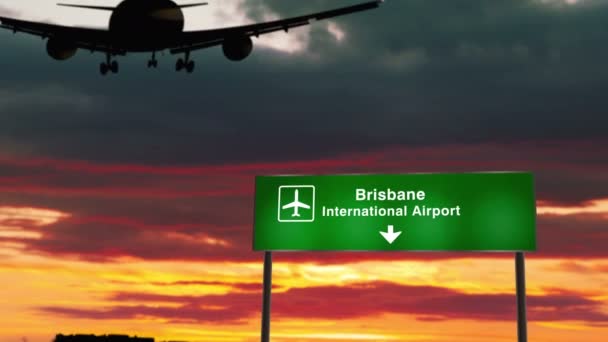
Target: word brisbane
389,195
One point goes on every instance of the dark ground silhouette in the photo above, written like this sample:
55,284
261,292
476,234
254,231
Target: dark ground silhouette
101,338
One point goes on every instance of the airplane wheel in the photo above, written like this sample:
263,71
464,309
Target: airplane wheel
179,65
114,67
155,64
190,67
103,69
149,64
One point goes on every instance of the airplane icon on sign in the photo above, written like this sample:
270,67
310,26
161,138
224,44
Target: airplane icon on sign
296,205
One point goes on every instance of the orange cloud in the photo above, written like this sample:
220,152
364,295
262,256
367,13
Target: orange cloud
599,206
336,302
14,221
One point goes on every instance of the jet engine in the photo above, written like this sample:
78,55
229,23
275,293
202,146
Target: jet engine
237,48
60,49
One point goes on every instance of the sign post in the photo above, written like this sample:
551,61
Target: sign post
266,298
485,212
520,288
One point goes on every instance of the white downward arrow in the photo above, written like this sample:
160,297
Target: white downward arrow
391,235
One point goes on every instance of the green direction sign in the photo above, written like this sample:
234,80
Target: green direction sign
411,212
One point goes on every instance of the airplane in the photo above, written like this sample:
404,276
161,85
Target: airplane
296,205
156,25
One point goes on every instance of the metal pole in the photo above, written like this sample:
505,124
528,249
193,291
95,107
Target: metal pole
267,293
520,282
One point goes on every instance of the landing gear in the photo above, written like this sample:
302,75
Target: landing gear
114,67
109,65
190,67
153,63
185,63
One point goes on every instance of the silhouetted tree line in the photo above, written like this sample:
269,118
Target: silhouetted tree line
103,338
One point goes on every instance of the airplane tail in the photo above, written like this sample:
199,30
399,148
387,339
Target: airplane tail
108,8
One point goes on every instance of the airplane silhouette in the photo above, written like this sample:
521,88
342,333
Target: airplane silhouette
296,205
156,25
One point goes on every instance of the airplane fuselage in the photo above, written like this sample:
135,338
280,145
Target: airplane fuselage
143,25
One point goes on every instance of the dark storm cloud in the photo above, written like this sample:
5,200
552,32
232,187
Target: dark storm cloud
334,302
417,86
413,72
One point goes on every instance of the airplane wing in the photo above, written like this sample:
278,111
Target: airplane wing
296,204
302,205
290,205
84,38
195,40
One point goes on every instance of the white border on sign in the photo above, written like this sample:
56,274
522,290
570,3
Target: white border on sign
312,207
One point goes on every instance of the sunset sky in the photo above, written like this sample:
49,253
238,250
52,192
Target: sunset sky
126,202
